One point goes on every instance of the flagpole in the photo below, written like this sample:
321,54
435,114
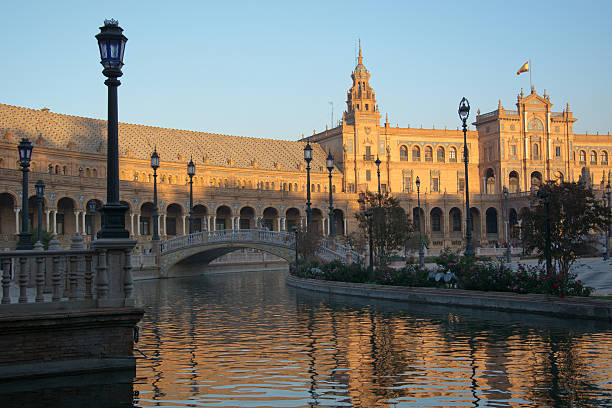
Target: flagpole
530,82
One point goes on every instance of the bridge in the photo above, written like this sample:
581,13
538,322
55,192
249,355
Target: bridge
203,247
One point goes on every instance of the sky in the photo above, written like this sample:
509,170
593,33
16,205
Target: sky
270,69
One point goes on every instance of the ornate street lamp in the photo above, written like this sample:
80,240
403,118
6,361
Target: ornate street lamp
155,166
464,112
25,155
421,250
368,215
507,223
111,42
377,162
308,158
608,216
191,173
92,220
544,195
330,166
40,195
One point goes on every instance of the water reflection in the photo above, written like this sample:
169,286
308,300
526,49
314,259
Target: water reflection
246,340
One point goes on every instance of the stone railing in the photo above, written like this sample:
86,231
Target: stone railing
286,239
68,279
144,260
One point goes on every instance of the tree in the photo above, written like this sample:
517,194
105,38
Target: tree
574,215
308,243
391,226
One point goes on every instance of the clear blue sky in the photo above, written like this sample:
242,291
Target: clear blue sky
270,69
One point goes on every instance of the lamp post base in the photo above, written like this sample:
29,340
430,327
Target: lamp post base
25,241
113,222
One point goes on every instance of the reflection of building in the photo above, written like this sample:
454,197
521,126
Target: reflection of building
247,182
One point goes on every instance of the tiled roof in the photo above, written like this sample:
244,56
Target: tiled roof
65,132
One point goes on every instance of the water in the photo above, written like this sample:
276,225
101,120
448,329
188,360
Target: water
247,340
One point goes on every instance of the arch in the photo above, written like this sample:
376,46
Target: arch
269,219
416,153
146,218
513,182
558,176
455,220
199,217
475,214
403,153
7,213
490,181
593,157
293,218
339,222
247,218
452,154
174,221
535,124
440,154
428,153
315,221
603,157
223,218
491,220
536,180
436,219
65,222
418,218
582,156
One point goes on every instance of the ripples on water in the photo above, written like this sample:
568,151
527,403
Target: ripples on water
247,340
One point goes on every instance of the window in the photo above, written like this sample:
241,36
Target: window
535,124
368,152
512,150
416,153
145,225
381,148
441,154
452,155
582,156
367,106
435,185
536,151
461,184
408,184
593,157
349,146
456,217
436,220
557,151
368,175
403,153
428,154
604,157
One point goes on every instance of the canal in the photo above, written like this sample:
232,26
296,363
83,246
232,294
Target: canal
248,340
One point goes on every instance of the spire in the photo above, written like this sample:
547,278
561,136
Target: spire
360,58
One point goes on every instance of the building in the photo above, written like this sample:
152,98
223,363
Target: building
245,182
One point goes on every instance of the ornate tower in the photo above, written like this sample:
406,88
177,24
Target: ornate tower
360,98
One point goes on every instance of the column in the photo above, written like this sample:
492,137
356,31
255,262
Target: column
184,233
208,217
256,226
132,223
283,224
301,222
47,212
278,223
164,221
17,211
138,224
344,221
323,225
84,221
158,225
214,225
54,222
76,221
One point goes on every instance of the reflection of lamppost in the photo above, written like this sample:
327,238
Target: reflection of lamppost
421,250
308,158
507,223
25,154
155,166
368,215
295,232
608,216
378,173
544,195
92,219
40,195
330,166
191,173
464,112
111,42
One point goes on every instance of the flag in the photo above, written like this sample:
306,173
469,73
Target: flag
524,68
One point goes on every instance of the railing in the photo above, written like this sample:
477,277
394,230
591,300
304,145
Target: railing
144,260
253,235
498,251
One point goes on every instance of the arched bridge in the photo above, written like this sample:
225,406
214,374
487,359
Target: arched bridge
205,246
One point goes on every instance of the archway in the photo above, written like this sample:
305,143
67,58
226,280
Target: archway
475,214
174,220
224,218
490,181
315,221
455,220
247,218
293,218
513,182
339,222
269,219
418,218
7,214
491,220
536,180
65,219
199,218
436,219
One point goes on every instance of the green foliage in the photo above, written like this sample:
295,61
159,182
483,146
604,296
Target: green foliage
410,275
574,214
46,237
391,226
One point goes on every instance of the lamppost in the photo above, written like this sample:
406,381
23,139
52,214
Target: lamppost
308,158
295,232
608,216
191,173
464,112
155,166
111,42
25,154
330,166
368,215
544,195
40,195
378,173
421,250
507,223
92,219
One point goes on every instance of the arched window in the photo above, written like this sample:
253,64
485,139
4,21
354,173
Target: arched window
536,151
428,154
436,220
513,182
416,153
535,124
452,155
604,157
582,156
441,154
593,157
455,215
490,181
536,180
403,153
491,220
